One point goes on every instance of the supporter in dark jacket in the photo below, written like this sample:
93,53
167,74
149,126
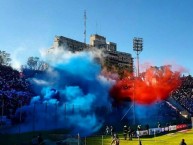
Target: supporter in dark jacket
182,142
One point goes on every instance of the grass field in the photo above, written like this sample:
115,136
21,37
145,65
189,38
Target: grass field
169,139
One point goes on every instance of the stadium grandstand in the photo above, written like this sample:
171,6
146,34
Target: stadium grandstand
14,92
183,96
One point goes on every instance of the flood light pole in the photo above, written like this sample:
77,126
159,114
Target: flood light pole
138,48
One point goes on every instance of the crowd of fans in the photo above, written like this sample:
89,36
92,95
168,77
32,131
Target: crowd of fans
11,79
184,94
14,91
169,114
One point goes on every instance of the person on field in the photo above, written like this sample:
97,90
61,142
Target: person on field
125,130
138,130
40,139
115,140
112,130
183,142
107,130
140,143
130,134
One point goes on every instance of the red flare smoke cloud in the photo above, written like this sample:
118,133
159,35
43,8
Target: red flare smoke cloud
150,87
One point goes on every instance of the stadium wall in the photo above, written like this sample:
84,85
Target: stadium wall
192,120
164,130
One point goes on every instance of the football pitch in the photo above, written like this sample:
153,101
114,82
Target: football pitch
167,139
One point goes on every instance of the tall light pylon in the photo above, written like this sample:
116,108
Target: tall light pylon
138,48
85,26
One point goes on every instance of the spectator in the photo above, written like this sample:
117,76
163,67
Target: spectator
182,142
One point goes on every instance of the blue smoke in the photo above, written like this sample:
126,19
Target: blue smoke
156,113
147,114
70,92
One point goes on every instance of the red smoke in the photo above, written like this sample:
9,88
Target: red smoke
151,86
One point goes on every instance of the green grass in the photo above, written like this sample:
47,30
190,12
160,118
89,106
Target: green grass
169,139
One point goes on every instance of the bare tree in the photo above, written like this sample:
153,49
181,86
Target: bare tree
35,63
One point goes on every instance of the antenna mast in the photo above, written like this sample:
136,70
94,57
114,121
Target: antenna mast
85,26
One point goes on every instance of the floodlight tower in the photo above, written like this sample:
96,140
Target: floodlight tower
138,48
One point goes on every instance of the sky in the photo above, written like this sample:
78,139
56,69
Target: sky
166,26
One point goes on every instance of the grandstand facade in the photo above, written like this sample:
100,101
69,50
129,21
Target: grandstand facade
111,57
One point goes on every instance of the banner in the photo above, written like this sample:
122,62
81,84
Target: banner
181,126
153,131
166,129
142,132
172,127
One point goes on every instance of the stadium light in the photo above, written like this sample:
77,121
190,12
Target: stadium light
138,48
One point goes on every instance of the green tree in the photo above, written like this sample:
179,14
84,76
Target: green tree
32,62
5,58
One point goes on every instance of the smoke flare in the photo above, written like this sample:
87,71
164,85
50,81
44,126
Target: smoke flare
153,85
70,91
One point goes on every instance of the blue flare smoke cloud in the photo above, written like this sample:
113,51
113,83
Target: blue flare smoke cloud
71,91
